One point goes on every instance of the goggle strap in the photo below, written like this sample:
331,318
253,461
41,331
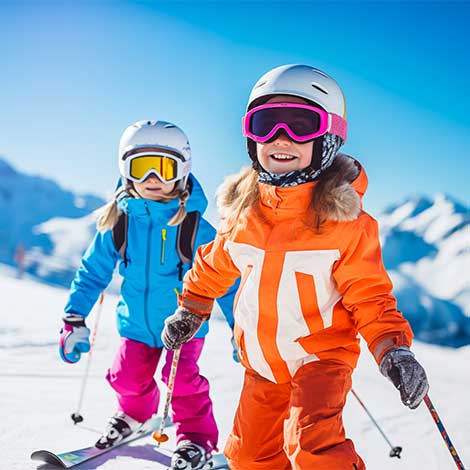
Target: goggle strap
338,125
150,151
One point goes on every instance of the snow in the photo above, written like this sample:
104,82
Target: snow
39,392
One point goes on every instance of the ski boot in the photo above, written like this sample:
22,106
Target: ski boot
191,456
119,427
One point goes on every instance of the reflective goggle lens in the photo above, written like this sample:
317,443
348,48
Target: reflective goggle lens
301,121
166,167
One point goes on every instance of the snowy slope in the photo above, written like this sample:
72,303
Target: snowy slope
38,392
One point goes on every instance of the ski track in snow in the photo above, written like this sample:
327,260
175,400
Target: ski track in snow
39,392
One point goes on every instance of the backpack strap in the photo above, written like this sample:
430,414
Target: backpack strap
185,240
120,236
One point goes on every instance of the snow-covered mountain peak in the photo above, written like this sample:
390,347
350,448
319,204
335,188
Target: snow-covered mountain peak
26,202
428,239
425,241
430,219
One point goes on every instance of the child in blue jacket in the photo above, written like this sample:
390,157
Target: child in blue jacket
158,192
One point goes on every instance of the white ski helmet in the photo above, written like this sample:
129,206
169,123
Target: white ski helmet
302,81
155,136
313,85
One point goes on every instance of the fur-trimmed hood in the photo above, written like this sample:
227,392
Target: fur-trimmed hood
338,193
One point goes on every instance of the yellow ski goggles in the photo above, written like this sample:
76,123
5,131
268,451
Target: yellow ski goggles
166,167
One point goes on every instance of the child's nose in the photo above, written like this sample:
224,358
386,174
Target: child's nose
153,178
282,138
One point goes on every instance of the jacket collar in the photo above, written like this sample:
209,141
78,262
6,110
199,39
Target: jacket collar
286,200
339,192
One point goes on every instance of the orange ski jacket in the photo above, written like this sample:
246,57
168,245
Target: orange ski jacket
304,294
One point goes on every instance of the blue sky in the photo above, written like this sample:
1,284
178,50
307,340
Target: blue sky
74,75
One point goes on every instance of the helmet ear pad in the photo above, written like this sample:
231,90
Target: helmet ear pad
251,147
317,154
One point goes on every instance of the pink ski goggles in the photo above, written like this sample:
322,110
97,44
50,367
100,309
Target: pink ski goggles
301,122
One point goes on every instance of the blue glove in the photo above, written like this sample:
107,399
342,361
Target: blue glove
235,350
406,373
74,338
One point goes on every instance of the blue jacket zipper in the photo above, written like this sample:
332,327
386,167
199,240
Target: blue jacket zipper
162,259
147,276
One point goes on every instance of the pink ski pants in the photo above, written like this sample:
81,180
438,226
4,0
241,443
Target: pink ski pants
132,377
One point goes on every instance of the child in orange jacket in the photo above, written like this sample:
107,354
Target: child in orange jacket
312,278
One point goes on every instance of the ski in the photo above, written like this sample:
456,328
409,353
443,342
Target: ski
73,458
78,456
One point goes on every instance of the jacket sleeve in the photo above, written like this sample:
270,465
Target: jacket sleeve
94,274
226,302
206,234
367,291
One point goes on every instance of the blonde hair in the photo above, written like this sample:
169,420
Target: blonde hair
235,196
240,193
332,199
108,215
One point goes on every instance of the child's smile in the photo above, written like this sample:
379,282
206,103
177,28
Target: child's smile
286,157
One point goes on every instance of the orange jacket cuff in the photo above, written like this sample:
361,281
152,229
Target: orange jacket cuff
195,303
383,344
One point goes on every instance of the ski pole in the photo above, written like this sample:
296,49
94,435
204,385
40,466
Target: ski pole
159,435
76,416
395,450
443,432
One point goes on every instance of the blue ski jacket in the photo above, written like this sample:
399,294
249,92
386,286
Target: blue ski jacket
151,278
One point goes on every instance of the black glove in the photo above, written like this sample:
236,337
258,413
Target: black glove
400,366
181,327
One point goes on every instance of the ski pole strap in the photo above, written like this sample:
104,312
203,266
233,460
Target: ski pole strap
443,432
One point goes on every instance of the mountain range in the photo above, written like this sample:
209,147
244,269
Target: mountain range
425,243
